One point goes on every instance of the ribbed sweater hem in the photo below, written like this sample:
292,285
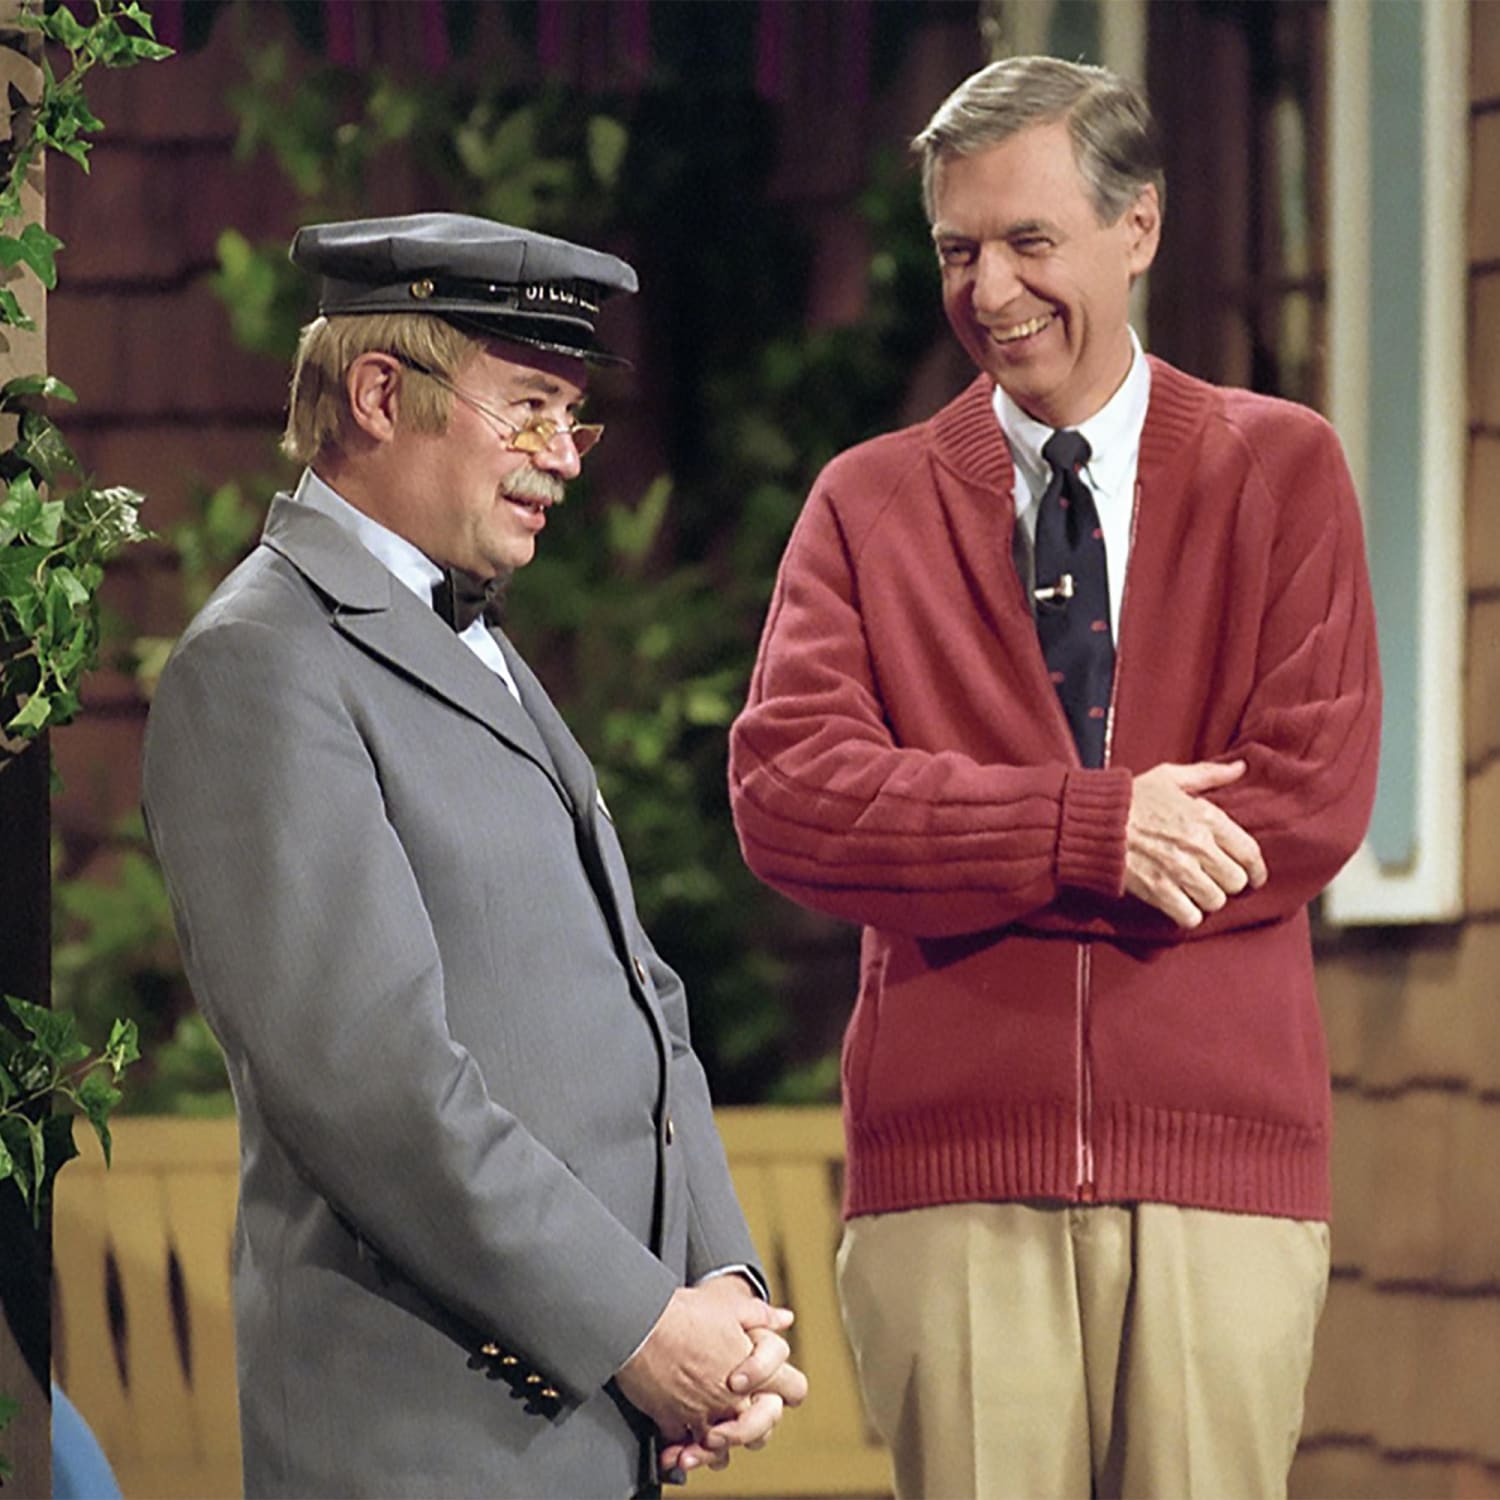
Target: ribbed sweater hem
1139,1154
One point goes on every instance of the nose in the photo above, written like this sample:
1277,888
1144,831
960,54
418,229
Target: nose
559,457
995,281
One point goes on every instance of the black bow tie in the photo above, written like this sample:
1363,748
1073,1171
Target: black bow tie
461,598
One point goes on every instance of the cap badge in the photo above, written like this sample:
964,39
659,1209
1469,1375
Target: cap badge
423,289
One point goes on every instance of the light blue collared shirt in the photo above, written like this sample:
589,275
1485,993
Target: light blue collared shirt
1113,434
405,562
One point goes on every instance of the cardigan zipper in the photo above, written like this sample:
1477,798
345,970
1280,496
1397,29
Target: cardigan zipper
1087,1183
1085,1081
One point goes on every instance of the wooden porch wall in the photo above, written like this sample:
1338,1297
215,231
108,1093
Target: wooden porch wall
1407,1383
1406,1387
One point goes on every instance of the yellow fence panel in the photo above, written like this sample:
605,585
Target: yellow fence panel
144,1340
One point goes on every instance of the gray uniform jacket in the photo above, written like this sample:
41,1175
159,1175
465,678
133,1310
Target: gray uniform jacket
469,1111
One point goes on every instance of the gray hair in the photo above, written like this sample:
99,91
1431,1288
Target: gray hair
1114,138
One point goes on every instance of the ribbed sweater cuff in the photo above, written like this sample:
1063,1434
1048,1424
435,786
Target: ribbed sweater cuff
1091,841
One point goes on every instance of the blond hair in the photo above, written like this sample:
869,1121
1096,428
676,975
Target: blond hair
318,415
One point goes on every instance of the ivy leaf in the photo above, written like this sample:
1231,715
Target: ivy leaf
116,48
117,512
64,28
7,1086
65,705
17,1146
35,385
42,446
55,1032
33,247
18,565
133,11
44,529
67,583
10,311
62,624
22,1139
63,119
20,508
123,1047
97,1097
74,150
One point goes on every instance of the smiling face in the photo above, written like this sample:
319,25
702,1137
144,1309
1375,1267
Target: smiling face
462,494
487,502
1035,287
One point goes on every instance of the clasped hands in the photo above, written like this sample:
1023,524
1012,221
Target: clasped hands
1183,855
714,1374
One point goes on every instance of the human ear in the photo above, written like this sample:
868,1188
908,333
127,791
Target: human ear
1143,226
373,385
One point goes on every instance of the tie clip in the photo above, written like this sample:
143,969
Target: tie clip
1060,592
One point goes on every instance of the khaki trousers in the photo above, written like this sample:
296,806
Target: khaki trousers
1034,1351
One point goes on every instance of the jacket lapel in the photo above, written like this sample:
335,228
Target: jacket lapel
577,776
388,621
568,760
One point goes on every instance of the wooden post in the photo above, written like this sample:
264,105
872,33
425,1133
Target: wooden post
25,887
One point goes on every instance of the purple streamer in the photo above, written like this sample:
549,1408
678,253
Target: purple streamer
435,51
338,29
770,49
549,34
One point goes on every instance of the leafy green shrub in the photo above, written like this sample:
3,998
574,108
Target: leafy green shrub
641,615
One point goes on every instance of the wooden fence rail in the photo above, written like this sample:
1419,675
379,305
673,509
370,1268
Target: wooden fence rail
144,1343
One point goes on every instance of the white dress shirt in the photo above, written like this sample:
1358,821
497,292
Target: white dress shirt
1113,434
405,562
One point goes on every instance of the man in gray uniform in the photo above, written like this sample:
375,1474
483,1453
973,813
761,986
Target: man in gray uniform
487,1239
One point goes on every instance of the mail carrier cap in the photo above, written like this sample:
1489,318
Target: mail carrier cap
488,278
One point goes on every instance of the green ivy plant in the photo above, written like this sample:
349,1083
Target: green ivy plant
46,1063
57,528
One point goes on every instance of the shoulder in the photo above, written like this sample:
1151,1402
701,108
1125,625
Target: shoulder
868,480
263,624
265,594
878,465
1270,424
1267,428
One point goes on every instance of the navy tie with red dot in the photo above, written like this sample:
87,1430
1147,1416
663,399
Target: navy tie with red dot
1072,595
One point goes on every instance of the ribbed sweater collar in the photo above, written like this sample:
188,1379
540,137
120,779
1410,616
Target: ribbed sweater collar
967,438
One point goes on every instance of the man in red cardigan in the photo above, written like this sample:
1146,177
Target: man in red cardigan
1069,697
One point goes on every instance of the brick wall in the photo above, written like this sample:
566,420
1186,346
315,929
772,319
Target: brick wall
1407,1381
167,400
1406,1386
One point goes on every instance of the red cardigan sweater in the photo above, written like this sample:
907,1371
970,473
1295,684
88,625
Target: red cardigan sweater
1023,1028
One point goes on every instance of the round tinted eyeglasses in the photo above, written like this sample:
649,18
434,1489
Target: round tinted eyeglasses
535,435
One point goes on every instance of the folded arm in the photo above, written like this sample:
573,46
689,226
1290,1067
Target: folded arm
832,812
1309,735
